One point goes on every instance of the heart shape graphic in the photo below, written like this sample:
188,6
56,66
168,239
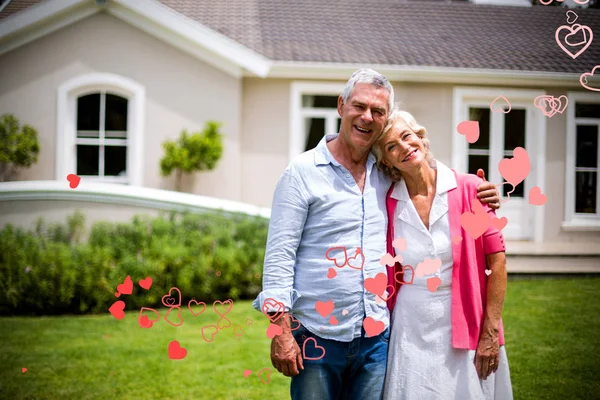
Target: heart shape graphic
146,322
387,295
23,370
274,330
433,283
515,169
333,320
571,14
401,273
324,308
352,260
498,107
551,105
169,301
249,322
456,239
73,180
331,273
313,350
387,259
536,197
488,272
328,255
428,267
475,224
469,129
176,352
145,283
166,317
499,223
291,321
376,285
400,244
212,335
238,331
196,303
267,372
574,29
125,288
117,309
247,373
229,305
271,305
372,327
584,79
344,312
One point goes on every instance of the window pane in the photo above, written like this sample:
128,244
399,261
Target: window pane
315,130
514,129
483,116
116,116
476,162
115,160
519,190
587,146
585,192
88,160
587,110
309,101
88,113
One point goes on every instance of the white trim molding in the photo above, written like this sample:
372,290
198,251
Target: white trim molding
574,221
66,130
297,90
122,195
463,97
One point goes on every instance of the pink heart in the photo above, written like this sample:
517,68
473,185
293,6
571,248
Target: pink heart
536,197
247,373
551,105
400,244
469,129
515,169
274,330
333,320
324,308
433,284
475,224
428,267
387,260
488,272
570,14
331,273
583,79
372,327
456,239
499,223
376,285
573,30
317,347
498,107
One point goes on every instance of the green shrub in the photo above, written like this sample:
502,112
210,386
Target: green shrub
208,256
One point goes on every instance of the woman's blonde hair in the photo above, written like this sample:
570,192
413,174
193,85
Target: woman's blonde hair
411,122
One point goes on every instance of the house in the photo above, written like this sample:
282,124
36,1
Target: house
105,82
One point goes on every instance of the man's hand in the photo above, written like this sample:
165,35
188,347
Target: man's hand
286,356
487,192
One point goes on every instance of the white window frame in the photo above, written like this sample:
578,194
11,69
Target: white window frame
464,97
66,128
298,114
574,221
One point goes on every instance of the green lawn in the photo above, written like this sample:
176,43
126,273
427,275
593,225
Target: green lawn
552,333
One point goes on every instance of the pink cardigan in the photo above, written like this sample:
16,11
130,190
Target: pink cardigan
469,281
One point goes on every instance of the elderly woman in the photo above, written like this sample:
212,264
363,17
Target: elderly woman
447,338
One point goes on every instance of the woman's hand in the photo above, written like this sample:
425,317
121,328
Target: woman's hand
487,192
488,353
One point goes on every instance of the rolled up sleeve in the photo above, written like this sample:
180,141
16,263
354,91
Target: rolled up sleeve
288,216
493,240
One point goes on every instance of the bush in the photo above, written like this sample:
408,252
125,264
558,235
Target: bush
208,257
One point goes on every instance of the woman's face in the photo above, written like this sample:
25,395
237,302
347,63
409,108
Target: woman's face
402,148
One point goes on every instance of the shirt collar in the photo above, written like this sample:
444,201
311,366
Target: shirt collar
445,181
323,156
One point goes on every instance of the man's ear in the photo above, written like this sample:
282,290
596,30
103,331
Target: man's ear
340,105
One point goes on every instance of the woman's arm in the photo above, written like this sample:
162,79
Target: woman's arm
486,358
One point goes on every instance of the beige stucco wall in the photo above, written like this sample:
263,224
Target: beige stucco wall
181,92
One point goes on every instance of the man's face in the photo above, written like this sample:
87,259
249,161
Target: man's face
364,115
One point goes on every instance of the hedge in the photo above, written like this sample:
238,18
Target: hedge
50,270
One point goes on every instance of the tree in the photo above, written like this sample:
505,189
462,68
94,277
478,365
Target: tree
19,146
196,152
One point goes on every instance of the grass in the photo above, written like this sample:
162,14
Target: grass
552,335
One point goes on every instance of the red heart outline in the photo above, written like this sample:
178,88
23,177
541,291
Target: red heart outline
212,338
358,251
272,303
316,347
334,259
149,322
412,279
170,301
166,317
197,303
290,321
260,373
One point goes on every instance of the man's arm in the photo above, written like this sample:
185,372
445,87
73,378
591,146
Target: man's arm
487,192
288,215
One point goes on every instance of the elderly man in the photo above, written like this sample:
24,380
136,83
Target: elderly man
326,236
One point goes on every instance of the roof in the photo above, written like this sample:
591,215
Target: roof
392,32
14,6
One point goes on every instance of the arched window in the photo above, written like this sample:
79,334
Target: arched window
100,129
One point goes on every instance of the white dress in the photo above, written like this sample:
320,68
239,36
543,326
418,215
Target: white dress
422,364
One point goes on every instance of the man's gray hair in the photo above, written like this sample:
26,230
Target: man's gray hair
367,75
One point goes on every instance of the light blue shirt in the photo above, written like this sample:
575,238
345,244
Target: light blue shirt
318,205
